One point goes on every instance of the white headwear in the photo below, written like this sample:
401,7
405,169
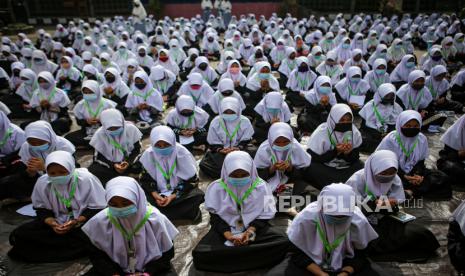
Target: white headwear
455,135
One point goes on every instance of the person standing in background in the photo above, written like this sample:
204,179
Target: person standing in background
139,14
225,8
207,7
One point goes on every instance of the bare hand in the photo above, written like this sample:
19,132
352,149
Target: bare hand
324,100
168,200
44,104
108,90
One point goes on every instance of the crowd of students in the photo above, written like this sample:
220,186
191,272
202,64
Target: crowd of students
228,92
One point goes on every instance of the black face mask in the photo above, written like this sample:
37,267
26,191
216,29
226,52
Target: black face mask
410,131
159,33
210,40
153,43
139,41
343,127
110,79
16,73
203,66
258,55
142,54
193,57
187,113
418,87
303,69
91,77
88,43
227,93
140,85
387,101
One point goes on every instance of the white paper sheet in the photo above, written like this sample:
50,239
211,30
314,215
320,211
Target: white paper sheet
186,140
360,100
27,211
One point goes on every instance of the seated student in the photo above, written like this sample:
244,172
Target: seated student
225,89
330,68
287,65
459,44
114,88
452,156
210,46
169,176
144,103
189,63
379,116
12,138
89,72
132,66
260,83
281,159
352,89
68,77
399,76
431,59
318,103
278,54
167,62
52,103
64,198
271,109
41,140
202,67
415,96
147,249
234,72
329,237
428,39
196,88
457,90
334,147
226,57
116,144
449,53
188,122
315,58
25,91
87,113
438,85
356,60
300,79
229,131
380,187
240,208
376,77
456,239
411,148
165,82
395,53
381,52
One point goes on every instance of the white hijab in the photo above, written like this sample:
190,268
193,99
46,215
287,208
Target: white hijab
85,109
224,85
174,117
411,98
347,88
11,136
301,81
455,135
314,96
200,96
273,100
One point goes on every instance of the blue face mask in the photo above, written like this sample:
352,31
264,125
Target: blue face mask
355,80
40,148
264,76
239,182
345,46
283,148
122,50
398,46
116,132
229,117
380,71
273,111
335,220
89,97
324,90
317,57
123,212
164,151
410,64
59,180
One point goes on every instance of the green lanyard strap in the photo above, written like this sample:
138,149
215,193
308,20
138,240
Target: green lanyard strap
189,122
246,194
274,160
302,82
146,96
415,104
406,152
50,97
230,136
166,175
330,247
62,199
126,235
7,136
117,146
162,86
97,111
369,193
351,91
433,91
378,116
331,140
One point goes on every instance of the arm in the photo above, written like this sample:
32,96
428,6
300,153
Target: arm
323,158
218,224
134,153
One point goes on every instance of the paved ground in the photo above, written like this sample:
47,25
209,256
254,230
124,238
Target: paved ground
434,215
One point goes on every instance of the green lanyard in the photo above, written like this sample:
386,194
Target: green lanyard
331,72
62,199
145,97
417,101
291,65
274,160
230,136
432,90
196,99
7,136
378,116
331,140
369,193
246,194
330,247
377,82
117,146
302,82
351,92
50,97
407,153
97,111
162,86
168,175
189,122
126,235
